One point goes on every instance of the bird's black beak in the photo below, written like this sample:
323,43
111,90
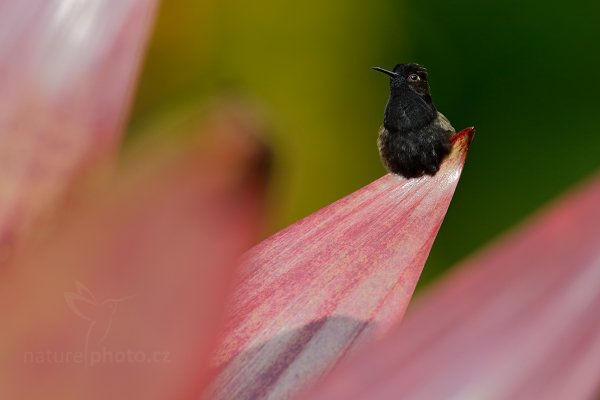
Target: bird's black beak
385,71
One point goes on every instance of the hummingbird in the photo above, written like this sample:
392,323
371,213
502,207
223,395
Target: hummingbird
414,138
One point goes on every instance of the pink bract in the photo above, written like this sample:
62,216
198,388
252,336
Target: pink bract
519,320
331,282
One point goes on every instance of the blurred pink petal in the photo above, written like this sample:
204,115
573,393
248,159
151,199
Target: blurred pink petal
338,278
121,298
66,78
519,321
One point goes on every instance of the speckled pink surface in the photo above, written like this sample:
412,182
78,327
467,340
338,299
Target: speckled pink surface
327,284
66,79
518,321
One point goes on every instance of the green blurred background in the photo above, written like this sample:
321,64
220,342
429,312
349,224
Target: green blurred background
524,73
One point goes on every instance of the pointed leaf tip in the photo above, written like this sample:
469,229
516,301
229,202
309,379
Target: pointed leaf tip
341,277
465,136
461,141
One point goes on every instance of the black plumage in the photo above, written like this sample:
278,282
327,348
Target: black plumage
415,137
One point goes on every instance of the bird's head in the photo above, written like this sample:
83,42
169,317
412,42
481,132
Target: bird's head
408,78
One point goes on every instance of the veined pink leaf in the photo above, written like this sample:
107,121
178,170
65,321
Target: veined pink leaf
518,321
121,299
313,292
66,77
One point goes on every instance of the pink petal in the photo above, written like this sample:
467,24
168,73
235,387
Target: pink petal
338,278
66,78
121,298
518,321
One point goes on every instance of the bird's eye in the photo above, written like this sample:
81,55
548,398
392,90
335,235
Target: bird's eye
414,77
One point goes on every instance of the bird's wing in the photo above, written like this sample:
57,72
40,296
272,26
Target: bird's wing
444,123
